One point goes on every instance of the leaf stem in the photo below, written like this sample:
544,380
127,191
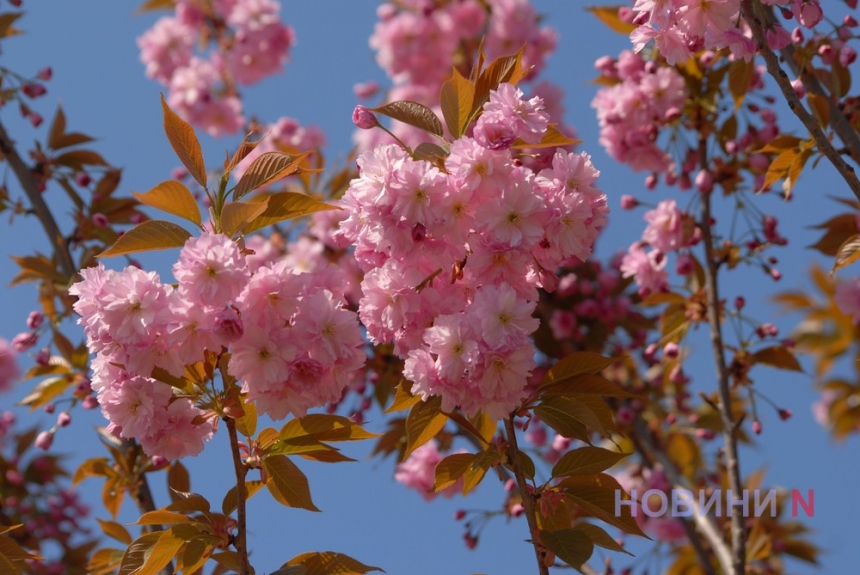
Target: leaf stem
528,498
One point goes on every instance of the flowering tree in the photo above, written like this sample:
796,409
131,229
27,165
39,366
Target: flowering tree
447,279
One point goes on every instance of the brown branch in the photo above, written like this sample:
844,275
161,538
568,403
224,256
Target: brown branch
840,124
240,541
40,208
773,67
645,445
528,498
711,269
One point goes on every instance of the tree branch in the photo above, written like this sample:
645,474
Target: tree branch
711,269
240,542
528,498
773,67
40,208
645,445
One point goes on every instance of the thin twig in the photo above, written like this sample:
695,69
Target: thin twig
40,208
646,447
838,121
773,67
730,439
528,498
240,541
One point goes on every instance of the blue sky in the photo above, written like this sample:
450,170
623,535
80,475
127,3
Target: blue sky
98,79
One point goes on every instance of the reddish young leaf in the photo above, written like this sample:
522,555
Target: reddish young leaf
184,141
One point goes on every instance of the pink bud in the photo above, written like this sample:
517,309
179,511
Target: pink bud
159,461
628,202
625,416
740,302
517,509
43,357
510,485
24,341
808,12
671,350
784,414
849,21
459,514
35,319
36,119
470,540
64,419
651,182
44,440
33,90
756,427
685,265
100,220
704,181
797,36
45,73
49,408
90,402
83,179
363,118
548,280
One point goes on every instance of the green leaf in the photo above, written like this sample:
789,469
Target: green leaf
452,468
146,237
586,461
609,16
424,421
456,99
235,216
184,142
778,356
286,206
267,168
174,198
287,484
229,505
571,546
330,563
577,363
414,114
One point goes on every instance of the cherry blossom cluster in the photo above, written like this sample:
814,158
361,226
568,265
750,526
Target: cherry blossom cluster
293,343
643,100
417,41
251,43
453,257
680,28
669,229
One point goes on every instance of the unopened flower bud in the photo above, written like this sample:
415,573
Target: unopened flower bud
35,319
64,419
363,118
704,181
784,414
100,220
45,73
517,509
44,440
159,461
90,402
459,514
628,202
24,341
756,427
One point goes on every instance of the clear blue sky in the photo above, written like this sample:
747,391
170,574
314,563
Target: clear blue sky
100,82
